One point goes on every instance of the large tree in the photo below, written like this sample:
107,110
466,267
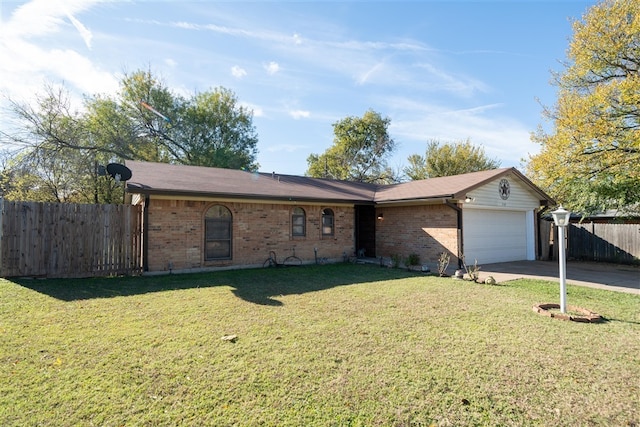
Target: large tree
207,129
50,155
447,159
219,132
590,160
61,148
361,147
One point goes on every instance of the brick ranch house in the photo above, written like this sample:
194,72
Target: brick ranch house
199,218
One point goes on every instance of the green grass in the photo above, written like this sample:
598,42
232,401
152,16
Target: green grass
336,345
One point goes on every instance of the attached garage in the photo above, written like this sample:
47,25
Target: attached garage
498,221
488,216
492,236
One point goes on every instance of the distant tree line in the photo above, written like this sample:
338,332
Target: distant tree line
362,147
61,151
589,160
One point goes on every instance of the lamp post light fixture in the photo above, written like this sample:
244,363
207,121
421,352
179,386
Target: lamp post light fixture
561,219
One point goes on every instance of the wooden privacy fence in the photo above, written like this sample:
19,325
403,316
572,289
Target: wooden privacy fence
619,243
545,239
589,241
69,240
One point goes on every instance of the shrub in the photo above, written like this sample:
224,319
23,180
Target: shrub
412,259
443,263
473,271
395,260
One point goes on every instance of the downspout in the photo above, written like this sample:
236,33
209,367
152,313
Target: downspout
145,233
537,235
458,210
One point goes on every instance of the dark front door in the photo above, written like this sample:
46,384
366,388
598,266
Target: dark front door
366,230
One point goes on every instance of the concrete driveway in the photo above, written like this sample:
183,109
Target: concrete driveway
612,277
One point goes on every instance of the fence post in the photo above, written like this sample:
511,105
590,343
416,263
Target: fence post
554,255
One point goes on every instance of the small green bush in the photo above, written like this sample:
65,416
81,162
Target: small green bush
395,260
412,259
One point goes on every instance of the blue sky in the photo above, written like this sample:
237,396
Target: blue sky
439,70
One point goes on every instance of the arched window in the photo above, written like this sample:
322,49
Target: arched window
298,222
217,228
328,224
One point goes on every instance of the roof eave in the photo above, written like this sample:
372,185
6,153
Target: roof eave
237,196
439,198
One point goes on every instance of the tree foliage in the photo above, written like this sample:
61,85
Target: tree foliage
361,147
52,137
220,133
60,149
447,159
590,160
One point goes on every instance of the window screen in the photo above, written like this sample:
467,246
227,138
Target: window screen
217,233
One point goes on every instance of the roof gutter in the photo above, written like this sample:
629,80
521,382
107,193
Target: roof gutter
145,234
440,198
190,194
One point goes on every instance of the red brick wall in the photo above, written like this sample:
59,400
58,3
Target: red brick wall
424,230
176,234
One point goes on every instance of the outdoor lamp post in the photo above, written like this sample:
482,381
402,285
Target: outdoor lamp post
561,219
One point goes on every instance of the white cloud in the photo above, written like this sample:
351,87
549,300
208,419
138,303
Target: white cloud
359,60
256,109
503,138
238,72
363,78
266,36
32,65
272,68
86,76
84,31
288,148
299,114
464,86
66,64
42,17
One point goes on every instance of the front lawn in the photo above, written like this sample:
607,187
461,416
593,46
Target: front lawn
316,346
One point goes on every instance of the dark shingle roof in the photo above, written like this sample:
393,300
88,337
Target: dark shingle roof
453,187
162,178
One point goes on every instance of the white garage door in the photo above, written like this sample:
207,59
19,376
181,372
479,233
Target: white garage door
494,236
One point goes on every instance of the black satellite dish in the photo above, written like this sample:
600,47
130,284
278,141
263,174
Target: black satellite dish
119,172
